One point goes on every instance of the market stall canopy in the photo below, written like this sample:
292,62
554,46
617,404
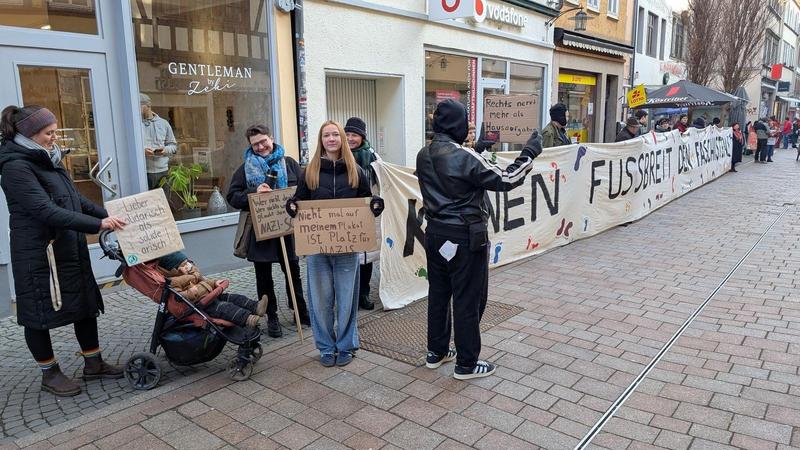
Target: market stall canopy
684,94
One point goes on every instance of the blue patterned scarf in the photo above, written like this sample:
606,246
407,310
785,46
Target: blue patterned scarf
257,167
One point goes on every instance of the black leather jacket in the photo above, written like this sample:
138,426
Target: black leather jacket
454,179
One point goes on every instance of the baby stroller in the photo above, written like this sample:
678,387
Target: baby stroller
187,335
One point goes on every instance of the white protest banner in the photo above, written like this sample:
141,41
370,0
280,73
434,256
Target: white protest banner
513,116
268,212
151,231
574,192
334,226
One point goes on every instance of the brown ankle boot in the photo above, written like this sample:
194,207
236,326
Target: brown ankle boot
95,368
55,382
261,309
253,321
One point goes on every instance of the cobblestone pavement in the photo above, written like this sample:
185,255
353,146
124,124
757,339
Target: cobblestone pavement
722,370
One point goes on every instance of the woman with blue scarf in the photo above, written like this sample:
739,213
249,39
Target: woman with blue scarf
265,168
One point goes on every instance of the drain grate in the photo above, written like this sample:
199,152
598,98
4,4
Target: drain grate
401,334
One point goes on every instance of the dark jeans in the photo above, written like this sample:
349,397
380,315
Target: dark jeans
365,275
266,286
465,278
232,307
153,179
761,150
41,346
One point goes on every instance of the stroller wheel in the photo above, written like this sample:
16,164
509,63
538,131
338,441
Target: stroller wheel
240,370
256,353
142,371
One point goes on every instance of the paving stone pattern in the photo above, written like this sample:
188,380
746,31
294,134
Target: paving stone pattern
596,312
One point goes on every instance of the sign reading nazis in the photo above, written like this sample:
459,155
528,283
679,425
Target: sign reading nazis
268,211
334,226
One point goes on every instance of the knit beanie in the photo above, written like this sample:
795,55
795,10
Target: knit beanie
558,113
34,122
172,260
699,123
357,126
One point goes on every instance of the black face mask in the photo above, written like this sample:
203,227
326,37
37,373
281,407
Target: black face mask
559,116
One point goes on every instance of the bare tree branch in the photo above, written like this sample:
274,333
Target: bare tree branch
703,34
745,28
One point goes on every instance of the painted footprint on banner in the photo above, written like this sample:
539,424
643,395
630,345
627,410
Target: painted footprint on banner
390,242
564,228
673,184
531,245
554,166
585,224
581,154
498,248
659,196
627,207
422,273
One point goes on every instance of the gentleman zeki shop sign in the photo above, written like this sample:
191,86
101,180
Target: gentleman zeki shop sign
201,78
477,10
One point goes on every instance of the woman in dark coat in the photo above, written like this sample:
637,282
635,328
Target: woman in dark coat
738,146
48,219
266,168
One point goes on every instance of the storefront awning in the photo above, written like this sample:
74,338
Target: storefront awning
792,100
583,42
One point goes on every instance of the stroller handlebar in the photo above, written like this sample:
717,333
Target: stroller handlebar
110,248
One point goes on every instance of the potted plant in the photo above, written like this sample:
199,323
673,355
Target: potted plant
180,180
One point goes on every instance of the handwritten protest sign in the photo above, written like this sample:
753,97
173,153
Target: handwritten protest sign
513,116
334,226
151,231
268,211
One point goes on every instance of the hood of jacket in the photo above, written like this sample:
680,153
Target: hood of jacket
11,151
450,118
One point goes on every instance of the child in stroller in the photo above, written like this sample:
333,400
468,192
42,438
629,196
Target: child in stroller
186,279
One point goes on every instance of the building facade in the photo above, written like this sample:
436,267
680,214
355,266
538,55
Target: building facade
656,27
786,100
210,69
589,68
420,62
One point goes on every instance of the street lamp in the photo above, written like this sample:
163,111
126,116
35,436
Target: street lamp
580,18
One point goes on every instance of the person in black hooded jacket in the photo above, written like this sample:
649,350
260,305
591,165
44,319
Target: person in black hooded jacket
454,181
48,220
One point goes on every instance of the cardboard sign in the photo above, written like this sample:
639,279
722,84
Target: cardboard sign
151,231
268,211
637,96
334,226
514,116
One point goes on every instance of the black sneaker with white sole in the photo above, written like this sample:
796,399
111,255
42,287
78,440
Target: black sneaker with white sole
481,369
433,361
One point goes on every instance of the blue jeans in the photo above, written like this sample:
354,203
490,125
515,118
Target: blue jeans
770,151
333,297
786,138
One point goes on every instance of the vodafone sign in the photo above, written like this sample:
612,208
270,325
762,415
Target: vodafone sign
450,9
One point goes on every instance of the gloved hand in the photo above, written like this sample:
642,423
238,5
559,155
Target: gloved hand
483,143
291,207
376,205
533,147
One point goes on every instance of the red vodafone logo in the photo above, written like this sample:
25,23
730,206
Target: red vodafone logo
480,10
451,8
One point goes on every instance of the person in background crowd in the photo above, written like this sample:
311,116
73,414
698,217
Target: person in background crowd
662,126
454,182
554,133
333,278
786,132
631,130
752,139
699,123
48,223
773,140
716,122
470,142
267,167
795,131
762,136
356,132
642,116
159,143
738,146
682,124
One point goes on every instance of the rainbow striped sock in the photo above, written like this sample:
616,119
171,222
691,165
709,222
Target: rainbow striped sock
91,353
47,364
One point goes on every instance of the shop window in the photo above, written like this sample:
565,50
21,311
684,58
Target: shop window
75,16
577,91
493,68
526,79
204,68
448,77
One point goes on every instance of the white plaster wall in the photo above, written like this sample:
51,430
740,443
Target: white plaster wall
368,41
649,68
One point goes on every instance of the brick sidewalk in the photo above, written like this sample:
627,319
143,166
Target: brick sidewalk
597,312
